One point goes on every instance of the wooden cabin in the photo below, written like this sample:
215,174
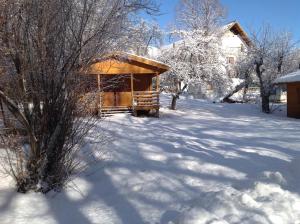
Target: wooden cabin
292,82
127,82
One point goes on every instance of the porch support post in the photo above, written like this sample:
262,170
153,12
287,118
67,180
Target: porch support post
157,82
157,92
99,95
132,92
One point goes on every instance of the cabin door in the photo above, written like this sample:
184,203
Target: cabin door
117,91
117,99
123,99
122,91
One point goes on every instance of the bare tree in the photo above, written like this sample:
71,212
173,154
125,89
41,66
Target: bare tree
144,35
270,54
200,14
43,45
293,59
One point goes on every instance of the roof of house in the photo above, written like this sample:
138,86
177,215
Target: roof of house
234,27
118,63
237,29
292,77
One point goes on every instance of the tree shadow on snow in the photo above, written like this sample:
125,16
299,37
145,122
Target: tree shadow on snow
161,164
243,143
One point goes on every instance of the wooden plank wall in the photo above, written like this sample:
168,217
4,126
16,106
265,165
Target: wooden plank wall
293,100
119,95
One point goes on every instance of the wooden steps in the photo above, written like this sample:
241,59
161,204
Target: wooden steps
109,111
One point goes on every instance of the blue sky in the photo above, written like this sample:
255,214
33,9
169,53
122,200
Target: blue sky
281,14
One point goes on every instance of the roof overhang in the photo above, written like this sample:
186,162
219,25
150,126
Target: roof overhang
237,29
121,63
289,78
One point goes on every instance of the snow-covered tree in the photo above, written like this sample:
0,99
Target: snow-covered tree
197,58
294,59
271,56
200,14
244,71
140,35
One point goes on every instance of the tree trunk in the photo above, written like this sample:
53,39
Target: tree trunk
176,97
245,92
227,99
265,103
174,101
264,92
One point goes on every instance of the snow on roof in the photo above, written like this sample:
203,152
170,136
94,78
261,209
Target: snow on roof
104,65
131,56
145,58
292,77
233,26
236,28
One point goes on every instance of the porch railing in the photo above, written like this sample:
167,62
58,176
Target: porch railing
146,99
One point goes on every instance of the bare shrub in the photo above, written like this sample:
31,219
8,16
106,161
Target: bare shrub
43,45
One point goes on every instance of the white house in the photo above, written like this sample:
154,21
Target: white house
235,44
235,40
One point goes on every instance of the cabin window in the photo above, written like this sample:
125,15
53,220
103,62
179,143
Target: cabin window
230,60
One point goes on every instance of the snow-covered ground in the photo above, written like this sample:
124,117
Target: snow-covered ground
204,163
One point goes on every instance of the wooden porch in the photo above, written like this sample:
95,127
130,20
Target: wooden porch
142,101
129,100
145,100
127,83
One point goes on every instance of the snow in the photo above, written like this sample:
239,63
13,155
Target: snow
205,163
153,52
292,77
143,57
229,40
265,203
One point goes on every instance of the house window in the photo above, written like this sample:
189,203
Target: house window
242,48
230,60
231,73
209,87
